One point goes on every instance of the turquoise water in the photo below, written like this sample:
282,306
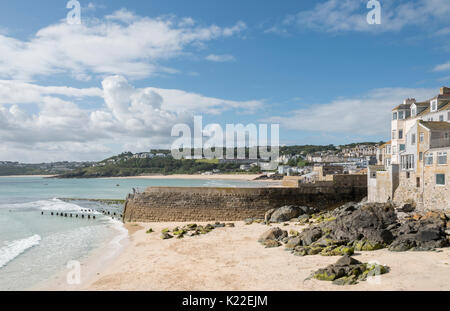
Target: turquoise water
35,246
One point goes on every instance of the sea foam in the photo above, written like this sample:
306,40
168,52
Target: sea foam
17,247
45,205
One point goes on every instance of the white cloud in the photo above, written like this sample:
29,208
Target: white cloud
442,67
121,43
220,58
129,117
350,15
364,116
18,92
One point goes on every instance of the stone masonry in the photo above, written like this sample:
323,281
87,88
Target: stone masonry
165,204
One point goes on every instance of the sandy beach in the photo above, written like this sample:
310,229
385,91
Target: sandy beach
231,259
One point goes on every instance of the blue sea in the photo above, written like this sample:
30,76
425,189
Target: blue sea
36,246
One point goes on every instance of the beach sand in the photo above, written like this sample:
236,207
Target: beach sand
231,259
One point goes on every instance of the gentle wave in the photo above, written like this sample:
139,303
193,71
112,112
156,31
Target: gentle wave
15,248
45,205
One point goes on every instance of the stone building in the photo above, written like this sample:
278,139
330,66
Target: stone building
417,168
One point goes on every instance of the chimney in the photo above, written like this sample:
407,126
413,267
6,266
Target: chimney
409,101
445,90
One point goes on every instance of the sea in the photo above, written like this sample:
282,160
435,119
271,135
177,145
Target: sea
46,224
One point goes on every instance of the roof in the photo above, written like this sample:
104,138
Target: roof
385,144
402,106
445,107
423,104
436,125
423,112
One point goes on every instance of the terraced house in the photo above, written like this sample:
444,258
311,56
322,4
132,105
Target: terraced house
417,170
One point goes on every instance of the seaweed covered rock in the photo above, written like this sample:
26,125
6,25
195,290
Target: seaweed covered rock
368,227
348,271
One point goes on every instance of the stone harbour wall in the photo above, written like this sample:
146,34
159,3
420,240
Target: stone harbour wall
166,204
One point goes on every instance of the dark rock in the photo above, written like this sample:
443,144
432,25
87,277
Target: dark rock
268,215
403,243
285,213
311,235
272,234
347,260
407,208
166,236
293,243
425,235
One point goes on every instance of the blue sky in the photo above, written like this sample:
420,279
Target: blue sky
132,69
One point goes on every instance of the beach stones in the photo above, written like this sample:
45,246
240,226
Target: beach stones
285,213
272,234
166,236
348,271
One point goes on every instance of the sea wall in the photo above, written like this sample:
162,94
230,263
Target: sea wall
164,204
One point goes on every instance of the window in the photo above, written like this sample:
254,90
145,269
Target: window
418,182
429,159
420,156
394,116
393,134
413,112
400,134
394,149
408,175
402,147
434,105
401,115
440,179
407,162
442,158
422,137
441,117
448,116
388,150
373,175
413,139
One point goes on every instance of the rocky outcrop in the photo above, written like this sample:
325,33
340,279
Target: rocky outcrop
421,233
348,271
367,227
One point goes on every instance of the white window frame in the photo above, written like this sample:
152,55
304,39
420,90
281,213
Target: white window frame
441,155
433,105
